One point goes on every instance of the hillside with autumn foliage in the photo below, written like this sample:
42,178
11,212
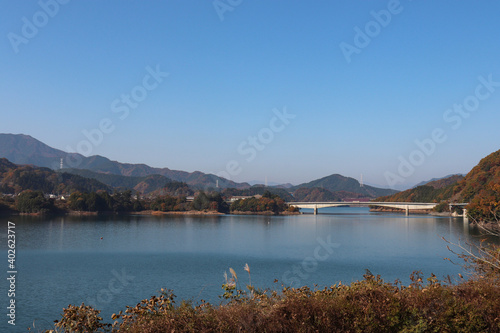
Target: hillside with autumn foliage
434,191
480,188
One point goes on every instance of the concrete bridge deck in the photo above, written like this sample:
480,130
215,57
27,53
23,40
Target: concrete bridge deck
407,206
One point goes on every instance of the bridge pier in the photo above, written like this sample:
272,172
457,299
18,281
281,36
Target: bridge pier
407,210
315,210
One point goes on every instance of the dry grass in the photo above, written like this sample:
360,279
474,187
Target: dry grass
370,305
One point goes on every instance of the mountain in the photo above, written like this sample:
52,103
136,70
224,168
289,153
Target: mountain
286,185
445,182
269,184
449,179
438,190
16,178
315,194
338,183
481,189
145,184
24,149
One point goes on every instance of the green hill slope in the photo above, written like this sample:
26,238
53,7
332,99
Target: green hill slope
335,183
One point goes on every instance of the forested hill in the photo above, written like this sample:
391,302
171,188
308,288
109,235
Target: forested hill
445,181
144,184
439,182
480,188
17,178
434,191
339,186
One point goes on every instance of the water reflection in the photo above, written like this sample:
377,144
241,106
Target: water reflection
63,260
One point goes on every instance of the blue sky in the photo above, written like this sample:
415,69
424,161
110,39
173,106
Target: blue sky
234,65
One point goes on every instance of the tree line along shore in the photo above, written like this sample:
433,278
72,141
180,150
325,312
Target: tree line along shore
37,203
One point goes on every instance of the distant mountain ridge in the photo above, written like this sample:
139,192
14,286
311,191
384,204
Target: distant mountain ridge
449,179
17,178
24,149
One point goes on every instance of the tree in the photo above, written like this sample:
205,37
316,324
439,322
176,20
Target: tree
34,202
201,201
268,203
123,201
212,202
77,201
168,203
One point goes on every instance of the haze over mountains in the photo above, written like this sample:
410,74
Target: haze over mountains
453,176
24,149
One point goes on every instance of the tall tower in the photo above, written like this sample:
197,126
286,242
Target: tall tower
361,181
62,164
217,183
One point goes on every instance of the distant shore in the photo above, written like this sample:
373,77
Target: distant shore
189,212
413,212
396,210
146,212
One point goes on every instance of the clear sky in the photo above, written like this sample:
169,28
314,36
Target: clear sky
288,90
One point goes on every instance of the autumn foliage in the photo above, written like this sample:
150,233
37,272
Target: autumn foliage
267,203
369,305
480,188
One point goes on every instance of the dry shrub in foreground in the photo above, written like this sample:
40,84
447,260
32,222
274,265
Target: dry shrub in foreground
370,305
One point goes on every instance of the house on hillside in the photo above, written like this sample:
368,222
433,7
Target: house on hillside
241,197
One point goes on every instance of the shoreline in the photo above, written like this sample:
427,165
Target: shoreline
395,210
159,213
214,213
147,212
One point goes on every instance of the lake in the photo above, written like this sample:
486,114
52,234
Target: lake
113,261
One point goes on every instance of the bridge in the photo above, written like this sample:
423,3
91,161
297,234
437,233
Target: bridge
407,206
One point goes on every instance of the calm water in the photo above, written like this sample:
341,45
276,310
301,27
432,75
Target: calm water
63,260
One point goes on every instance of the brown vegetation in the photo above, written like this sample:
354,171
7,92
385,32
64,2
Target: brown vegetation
370,305
480,188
